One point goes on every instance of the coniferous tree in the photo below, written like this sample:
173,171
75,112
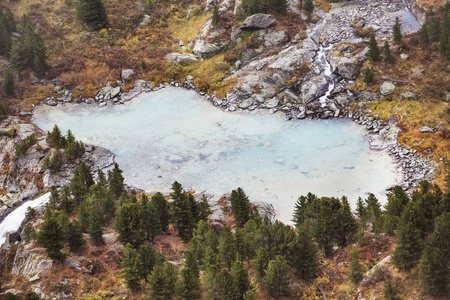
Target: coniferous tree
390,289
277,278
433,271
115,181
356,268
409,249
387,55
434,29
369,75
182,212
325,229
444,35
374,51
93,13
226,286
204,209
129,224
5,37
227,247
215,19
309,6
278,7
75,236
424,36
303,257
190,285
397,32
162,208
95,227
161,281
51,237
240,275
347,226
8,83
240,206
146,261
150,220
261,263
130,272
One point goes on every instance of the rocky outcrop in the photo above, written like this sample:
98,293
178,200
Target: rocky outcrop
127,74
30,261
346,61
258,21
210,5
314,88
274,38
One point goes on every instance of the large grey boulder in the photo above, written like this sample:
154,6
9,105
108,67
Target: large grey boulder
258,21
177,58
387,88
274,38
314,88
203,49
127,73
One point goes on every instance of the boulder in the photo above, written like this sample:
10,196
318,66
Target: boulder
177,58
404,56
344,62
426,129
51,101
387,88
203,49
274,38
189,79
145,21
127,74
447,97
273,102
258,21
314,88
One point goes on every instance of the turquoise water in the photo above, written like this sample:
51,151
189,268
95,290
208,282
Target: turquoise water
174,134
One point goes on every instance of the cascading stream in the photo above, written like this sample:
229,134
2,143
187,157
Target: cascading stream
322,58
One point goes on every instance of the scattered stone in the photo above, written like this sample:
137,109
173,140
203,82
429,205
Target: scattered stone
51,101
258,21
189,80
127,74
426,129
34,278
145,21
387,88
409,95
210,5
447,97
404,56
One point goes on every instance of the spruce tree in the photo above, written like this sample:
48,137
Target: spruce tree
433,271
75,236
51,237
374,51
226,286
424,36
8,83
347,226
277,278
278,7
303,257
309,6
129,224
146,261
95,227
261,263
161,281
390,289
397,32
240,206
227,247
369,75
93,13
130,272
162,208
356,268
5,39
240,275
387,55
190,285
215,19
409,249
115,181
182,212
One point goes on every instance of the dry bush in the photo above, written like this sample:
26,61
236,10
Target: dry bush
363,32
444,132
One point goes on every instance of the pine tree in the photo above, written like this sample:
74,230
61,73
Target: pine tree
182,212
93,13
190,285
162,208
424,36
374,51
325,230
51,237
95,227
227,247
215,19
309,6
240,206
5,38
390,289
130,272
75,236
369,75
226,286
397,32
146,261
161,281
303,257
356,268
347,226
129,224
277,278
387,55
409,249
115,180
444,35
278,7
151,222
261,263
8,83
240,275
434,29
204,209
433,271
10,23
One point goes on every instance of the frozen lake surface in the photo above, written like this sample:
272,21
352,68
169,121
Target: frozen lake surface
174,134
